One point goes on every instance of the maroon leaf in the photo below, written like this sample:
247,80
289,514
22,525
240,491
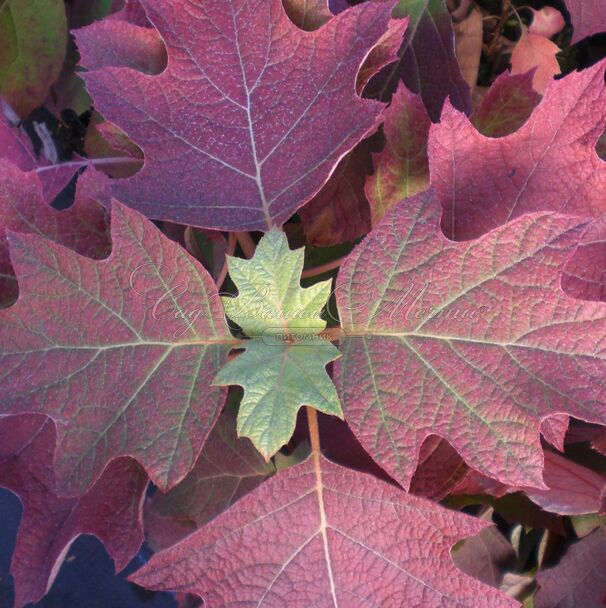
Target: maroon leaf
572,488
23,208
340,445
111,150
111,509
486,556
340,211
228,468
578,580
240,131
427,64
599,443
475,483
554,430
588,18
439,471
119,352
15,145
474,342
321,535
549,163
507,105
131,11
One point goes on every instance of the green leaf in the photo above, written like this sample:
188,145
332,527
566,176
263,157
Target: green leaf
34,36
271,300
283,366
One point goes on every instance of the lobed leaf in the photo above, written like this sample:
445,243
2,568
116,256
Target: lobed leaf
321,535
428,64
588,18
550,163
401,168
283,367
23,208
228,468
110,510
474,342
244,125
16,148
120,352
507,105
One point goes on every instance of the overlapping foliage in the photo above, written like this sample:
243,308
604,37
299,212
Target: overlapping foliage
310,203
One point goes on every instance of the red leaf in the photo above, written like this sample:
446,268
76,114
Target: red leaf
23,208
486,556
554,430
550,163
578,580
439,471
131,11
588,18
111,150
239,131
507,105
340,445
111,509
572,488
474,342
321,535
119,352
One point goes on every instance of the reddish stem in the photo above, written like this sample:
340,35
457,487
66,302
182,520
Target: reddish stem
231,247
317,270
112,160
247,243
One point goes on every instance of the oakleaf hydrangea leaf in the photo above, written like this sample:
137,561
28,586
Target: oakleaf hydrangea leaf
475,342
245,125
109,510
270,297
401,169
507,105
549,163
283,366
16,147
427,61
119,352
83,227
578,580
323,536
